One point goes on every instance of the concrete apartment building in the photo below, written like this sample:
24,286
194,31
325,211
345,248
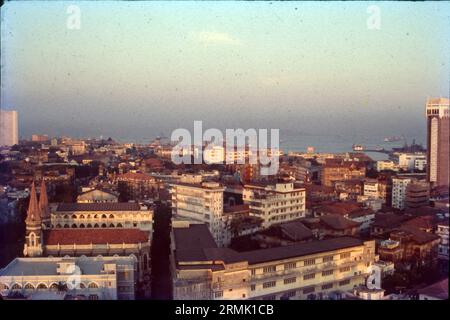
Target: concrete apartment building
438,133
82,278
201,202
201,270
399,185
412,161
275,203
417,194
9,128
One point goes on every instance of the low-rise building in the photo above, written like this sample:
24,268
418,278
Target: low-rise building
201,270
82,278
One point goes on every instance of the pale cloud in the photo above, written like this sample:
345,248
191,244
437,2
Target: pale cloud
211,37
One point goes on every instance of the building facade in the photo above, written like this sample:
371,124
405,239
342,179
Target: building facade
275,203
298,271
9,128
438,133
82,278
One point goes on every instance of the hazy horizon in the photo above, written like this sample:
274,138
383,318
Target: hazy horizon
135,70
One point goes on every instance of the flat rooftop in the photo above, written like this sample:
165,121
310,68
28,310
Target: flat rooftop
47,266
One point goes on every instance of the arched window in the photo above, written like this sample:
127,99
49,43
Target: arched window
58,226
32,239
66,216
103,225
89,225
29,286
42,286
111,225
93,285
74,216
82,225
111,216
82,285
119,225
82,216
93,297
54,286
96,225
3,286
95,216
104,216
66,226
16,286
74,226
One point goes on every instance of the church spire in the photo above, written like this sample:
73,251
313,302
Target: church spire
33,213
43,201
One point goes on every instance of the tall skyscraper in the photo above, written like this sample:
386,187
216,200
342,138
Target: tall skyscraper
438,134
9,128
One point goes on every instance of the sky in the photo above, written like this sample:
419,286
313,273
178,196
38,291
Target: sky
134,70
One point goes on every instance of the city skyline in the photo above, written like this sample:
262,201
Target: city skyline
232,66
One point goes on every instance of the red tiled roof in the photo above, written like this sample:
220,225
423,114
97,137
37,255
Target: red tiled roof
341,208
94,236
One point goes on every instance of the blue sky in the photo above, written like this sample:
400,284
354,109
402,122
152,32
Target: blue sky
137,69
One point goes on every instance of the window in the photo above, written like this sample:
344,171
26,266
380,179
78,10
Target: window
290,280
310,262
309,290
271,297
253,287
345,255
290,294
328,258
344,269
93,297
327,286
269,284
253,272
309,276
270,269
29,286
218,294
93,285
327,273
344,282
291,265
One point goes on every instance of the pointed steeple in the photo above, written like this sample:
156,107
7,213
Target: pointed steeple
43,201
33,213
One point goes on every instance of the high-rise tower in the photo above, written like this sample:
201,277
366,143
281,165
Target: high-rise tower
437,112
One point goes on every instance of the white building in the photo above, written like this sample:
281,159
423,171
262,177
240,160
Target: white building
442,232
9,128
214,154
408,161
93,278
201,202
399,185
275,203
371,188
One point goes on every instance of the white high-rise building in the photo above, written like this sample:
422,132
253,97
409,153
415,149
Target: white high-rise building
201,203
399,185
9,128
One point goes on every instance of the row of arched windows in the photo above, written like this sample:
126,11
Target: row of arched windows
89,225
43,286
95,216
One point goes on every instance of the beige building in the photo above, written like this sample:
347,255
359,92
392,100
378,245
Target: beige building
201,270
9,128
47,278
275,203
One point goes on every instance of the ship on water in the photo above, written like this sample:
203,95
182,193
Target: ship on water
358,147
393,139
